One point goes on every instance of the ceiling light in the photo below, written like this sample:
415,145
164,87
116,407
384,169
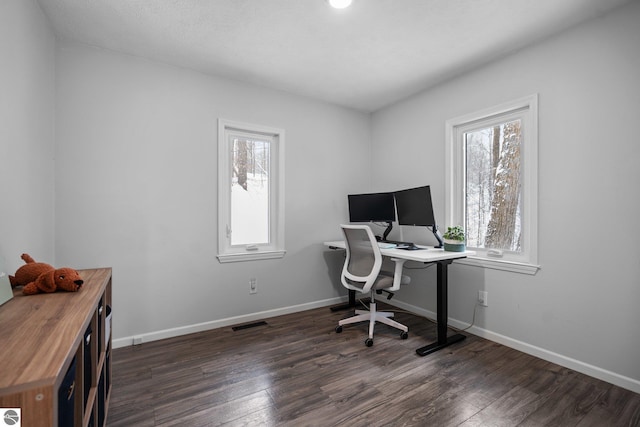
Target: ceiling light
340,4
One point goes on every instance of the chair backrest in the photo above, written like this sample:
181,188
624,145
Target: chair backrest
364,260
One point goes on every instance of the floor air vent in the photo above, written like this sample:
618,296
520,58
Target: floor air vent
249,325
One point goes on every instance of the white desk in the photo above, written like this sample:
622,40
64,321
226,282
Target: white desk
442,259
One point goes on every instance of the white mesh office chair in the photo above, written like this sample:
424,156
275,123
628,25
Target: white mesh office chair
363,272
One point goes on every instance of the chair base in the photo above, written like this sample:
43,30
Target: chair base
372,316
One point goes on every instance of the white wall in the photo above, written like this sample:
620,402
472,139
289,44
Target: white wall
581,309
136,170
26,133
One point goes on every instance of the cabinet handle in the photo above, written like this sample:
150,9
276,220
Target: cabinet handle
70,392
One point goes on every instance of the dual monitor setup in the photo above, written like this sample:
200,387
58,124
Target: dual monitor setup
413,207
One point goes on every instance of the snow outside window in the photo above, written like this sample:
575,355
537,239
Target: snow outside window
492,184
250,192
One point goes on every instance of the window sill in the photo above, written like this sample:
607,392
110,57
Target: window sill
254,256
512,266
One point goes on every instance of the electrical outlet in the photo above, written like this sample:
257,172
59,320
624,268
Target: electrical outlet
483,298
253,285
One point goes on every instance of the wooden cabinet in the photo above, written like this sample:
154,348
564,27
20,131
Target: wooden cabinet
55,354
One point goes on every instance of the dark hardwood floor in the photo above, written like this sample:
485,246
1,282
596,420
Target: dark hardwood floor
296,371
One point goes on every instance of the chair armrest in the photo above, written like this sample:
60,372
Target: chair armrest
397,273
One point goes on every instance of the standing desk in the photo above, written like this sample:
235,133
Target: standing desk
442,259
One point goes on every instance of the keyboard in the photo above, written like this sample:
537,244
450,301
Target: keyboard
387,245
393,242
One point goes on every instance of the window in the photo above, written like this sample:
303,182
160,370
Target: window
492,183
250,192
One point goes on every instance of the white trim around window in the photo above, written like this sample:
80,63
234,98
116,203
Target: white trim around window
525,110
272,245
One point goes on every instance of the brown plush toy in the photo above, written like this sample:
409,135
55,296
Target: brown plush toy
36,277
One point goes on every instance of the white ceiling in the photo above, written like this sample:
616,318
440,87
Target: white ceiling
366,57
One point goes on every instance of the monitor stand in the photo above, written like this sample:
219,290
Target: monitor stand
387,231
438,236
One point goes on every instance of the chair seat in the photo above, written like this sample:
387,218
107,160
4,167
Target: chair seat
383,281
405,280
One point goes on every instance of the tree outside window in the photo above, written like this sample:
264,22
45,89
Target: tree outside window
493,183
249,191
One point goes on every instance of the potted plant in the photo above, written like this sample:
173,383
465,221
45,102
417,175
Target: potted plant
454,239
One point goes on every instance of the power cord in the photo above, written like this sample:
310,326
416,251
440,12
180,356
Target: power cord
473,320
364,305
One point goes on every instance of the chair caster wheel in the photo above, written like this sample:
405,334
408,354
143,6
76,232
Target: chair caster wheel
368,342
338,329
404,335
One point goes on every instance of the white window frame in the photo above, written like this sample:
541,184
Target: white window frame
525,109
275,247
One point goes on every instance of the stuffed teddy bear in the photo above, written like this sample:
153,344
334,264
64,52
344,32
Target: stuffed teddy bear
36,277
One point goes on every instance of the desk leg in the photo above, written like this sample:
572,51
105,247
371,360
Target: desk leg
347,306
443,314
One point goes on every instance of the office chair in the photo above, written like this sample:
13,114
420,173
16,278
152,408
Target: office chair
363,272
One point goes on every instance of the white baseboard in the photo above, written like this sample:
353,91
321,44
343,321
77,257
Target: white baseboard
567,362
221,323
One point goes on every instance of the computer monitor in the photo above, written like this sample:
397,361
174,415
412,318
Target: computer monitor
372,207
414,207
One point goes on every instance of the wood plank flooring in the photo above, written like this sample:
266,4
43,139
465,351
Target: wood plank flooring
296,371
